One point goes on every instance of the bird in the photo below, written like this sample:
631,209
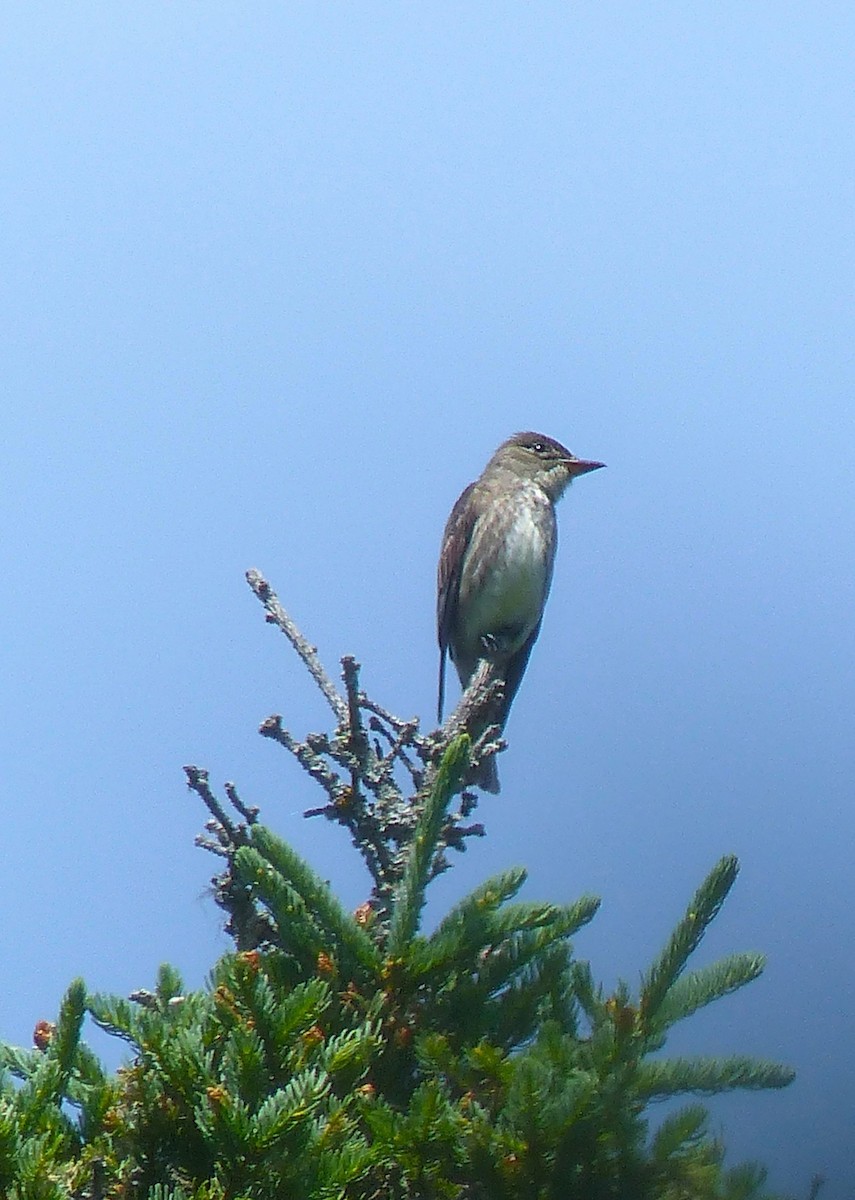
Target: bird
495,566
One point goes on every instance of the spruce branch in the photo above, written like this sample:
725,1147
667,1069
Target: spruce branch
410,895
343,934
377,770
47,1083
297,931
346,1054
586,992
683,1127
469,1036
659,1079
224,838
685,939
66,1040
701,987
468,928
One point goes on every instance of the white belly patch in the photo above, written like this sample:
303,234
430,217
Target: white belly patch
509,598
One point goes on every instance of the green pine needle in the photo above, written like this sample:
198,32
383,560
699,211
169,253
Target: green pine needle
708,1076
702,987
686,937
346,939
409,897
678,1131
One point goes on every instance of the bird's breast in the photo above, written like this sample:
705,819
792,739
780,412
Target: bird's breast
508,568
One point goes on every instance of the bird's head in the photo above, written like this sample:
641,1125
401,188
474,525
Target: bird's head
541,460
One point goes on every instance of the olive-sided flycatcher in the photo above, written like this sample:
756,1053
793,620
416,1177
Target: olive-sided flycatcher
495,566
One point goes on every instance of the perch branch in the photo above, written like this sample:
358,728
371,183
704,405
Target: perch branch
377,773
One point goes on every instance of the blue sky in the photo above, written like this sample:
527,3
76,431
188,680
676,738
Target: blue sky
277,279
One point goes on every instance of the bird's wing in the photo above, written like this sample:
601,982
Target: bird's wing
455,539
514,672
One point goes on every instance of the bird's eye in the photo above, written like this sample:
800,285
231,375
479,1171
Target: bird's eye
538,447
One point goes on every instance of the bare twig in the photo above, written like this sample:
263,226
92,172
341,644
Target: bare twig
355,739
372,706
197,781
224,837
250,815
307,757
405,737
277,615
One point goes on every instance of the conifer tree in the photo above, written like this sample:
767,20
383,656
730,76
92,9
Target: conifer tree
361,1056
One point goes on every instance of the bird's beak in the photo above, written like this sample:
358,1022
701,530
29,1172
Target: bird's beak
581,466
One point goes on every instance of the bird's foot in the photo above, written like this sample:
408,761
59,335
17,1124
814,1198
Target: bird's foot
500,644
